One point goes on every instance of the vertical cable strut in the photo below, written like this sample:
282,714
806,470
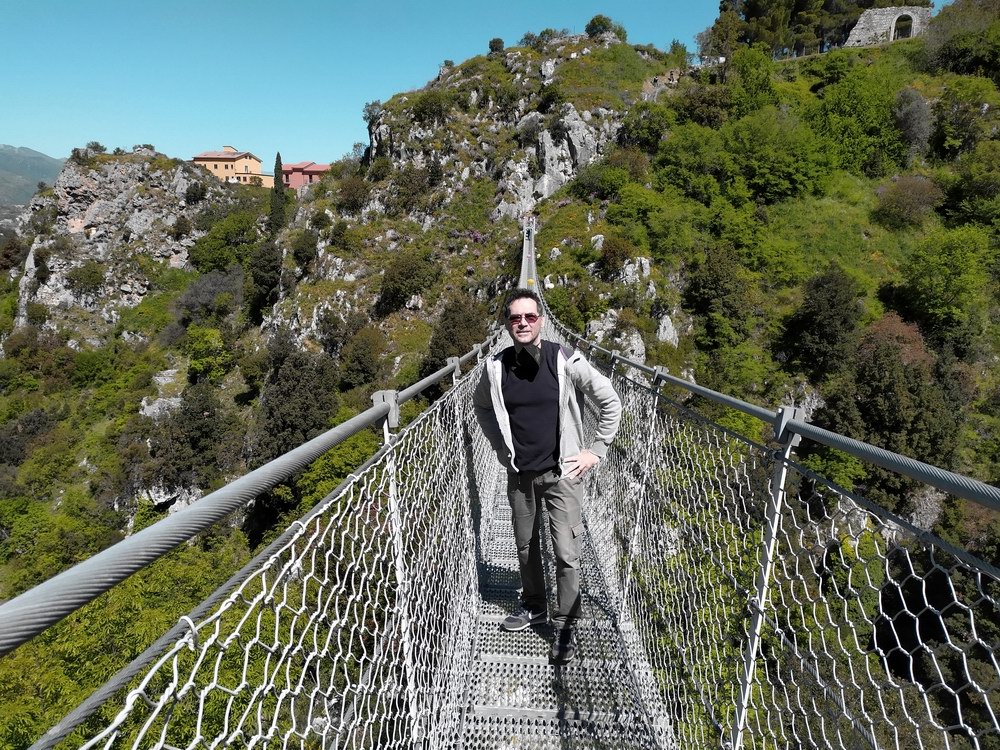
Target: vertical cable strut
758,605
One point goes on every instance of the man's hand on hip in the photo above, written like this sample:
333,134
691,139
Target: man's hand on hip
581,463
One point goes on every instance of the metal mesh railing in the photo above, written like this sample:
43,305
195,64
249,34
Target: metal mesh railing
734,569
357,633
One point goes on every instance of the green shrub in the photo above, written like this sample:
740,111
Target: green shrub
380,169
181,228
352,193
37,313
461,326
195,193
432,106
907,201
361,358
228,242
600,181
303,243
86,279
210,357
599,24
92,367
320,219
408,273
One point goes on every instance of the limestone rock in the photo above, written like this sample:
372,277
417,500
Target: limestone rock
666,331
172,498
158,408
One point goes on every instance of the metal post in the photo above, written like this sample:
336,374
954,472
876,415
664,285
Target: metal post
399,564
453,361
758,604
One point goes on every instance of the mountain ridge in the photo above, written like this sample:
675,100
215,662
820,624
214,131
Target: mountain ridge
21,169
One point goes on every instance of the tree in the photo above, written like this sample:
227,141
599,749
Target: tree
408,273
906,201
279,199
230,241
352,193
304,249
722,39
694,159
461,326
297,401
963,115
946,278
361,358
856,115
912,115
722,291
750,80
822,333
195,193
975,195
778,156
496,46
645,125
263,277
599,24
210,357
371,112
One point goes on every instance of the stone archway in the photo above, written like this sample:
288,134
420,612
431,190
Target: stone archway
902,28
880,25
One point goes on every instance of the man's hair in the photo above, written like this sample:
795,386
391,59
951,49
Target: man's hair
521,294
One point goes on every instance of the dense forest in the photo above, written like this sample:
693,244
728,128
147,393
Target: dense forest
816,228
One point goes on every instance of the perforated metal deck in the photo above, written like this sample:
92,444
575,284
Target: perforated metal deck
517,698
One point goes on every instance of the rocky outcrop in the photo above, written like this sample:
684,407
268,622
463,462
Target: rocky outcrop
99,216
573,141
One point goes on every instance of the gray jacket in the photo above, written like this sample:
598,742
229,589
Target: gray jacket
577,379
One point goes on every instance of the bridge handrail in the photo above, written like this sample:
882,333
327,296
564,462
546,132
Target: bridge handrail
942,479
27,615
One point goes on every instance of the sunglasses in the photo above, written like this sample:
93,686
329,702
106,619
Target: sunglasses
528,318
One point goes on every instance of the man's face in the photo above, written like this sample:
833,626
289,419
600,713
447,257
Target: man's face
521,329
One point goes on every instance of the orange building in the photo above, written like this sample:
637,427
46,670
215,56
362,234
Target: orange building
230,165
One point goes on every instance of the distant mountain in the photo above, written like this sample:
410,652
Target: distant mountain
21,169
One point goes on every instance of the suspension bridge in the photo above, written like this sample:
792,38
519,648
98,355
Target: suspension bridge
732,598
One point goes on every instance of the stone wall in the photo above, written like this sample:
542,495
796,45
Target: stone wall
878,25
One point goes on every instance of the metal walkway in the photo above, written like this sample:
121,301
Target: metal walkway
518,698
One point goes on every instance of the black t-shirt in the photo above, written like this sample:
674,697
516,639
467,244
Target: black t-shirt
531,394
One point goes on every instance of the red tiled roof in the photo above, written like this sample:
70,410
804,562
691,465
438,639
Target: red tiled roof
305,166
219,155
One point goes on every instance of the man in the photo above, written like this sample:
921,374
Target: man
529,403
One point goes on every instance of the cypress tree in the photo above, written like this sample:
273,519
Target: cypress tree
276,219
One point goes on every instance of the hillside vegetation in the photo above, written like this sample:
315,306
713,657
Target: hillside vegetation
820,230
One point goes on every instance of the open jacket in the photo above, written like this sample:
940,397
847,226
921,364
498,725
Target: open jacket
577,380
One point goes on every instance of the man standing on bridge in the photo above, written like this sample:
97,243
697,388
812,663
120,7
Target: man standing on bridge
529,403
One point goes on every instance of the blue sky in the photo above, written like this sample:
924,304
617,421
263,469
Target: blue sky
271,76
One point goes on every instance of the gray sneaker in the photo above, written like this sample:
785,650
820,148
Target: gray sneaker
521,618
564,646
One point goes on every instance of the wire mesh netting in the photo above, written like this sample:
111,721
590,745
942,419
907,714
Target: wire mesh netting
356,634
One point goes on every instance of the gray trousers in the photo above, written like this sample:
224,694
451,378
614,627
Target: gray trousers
526,492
